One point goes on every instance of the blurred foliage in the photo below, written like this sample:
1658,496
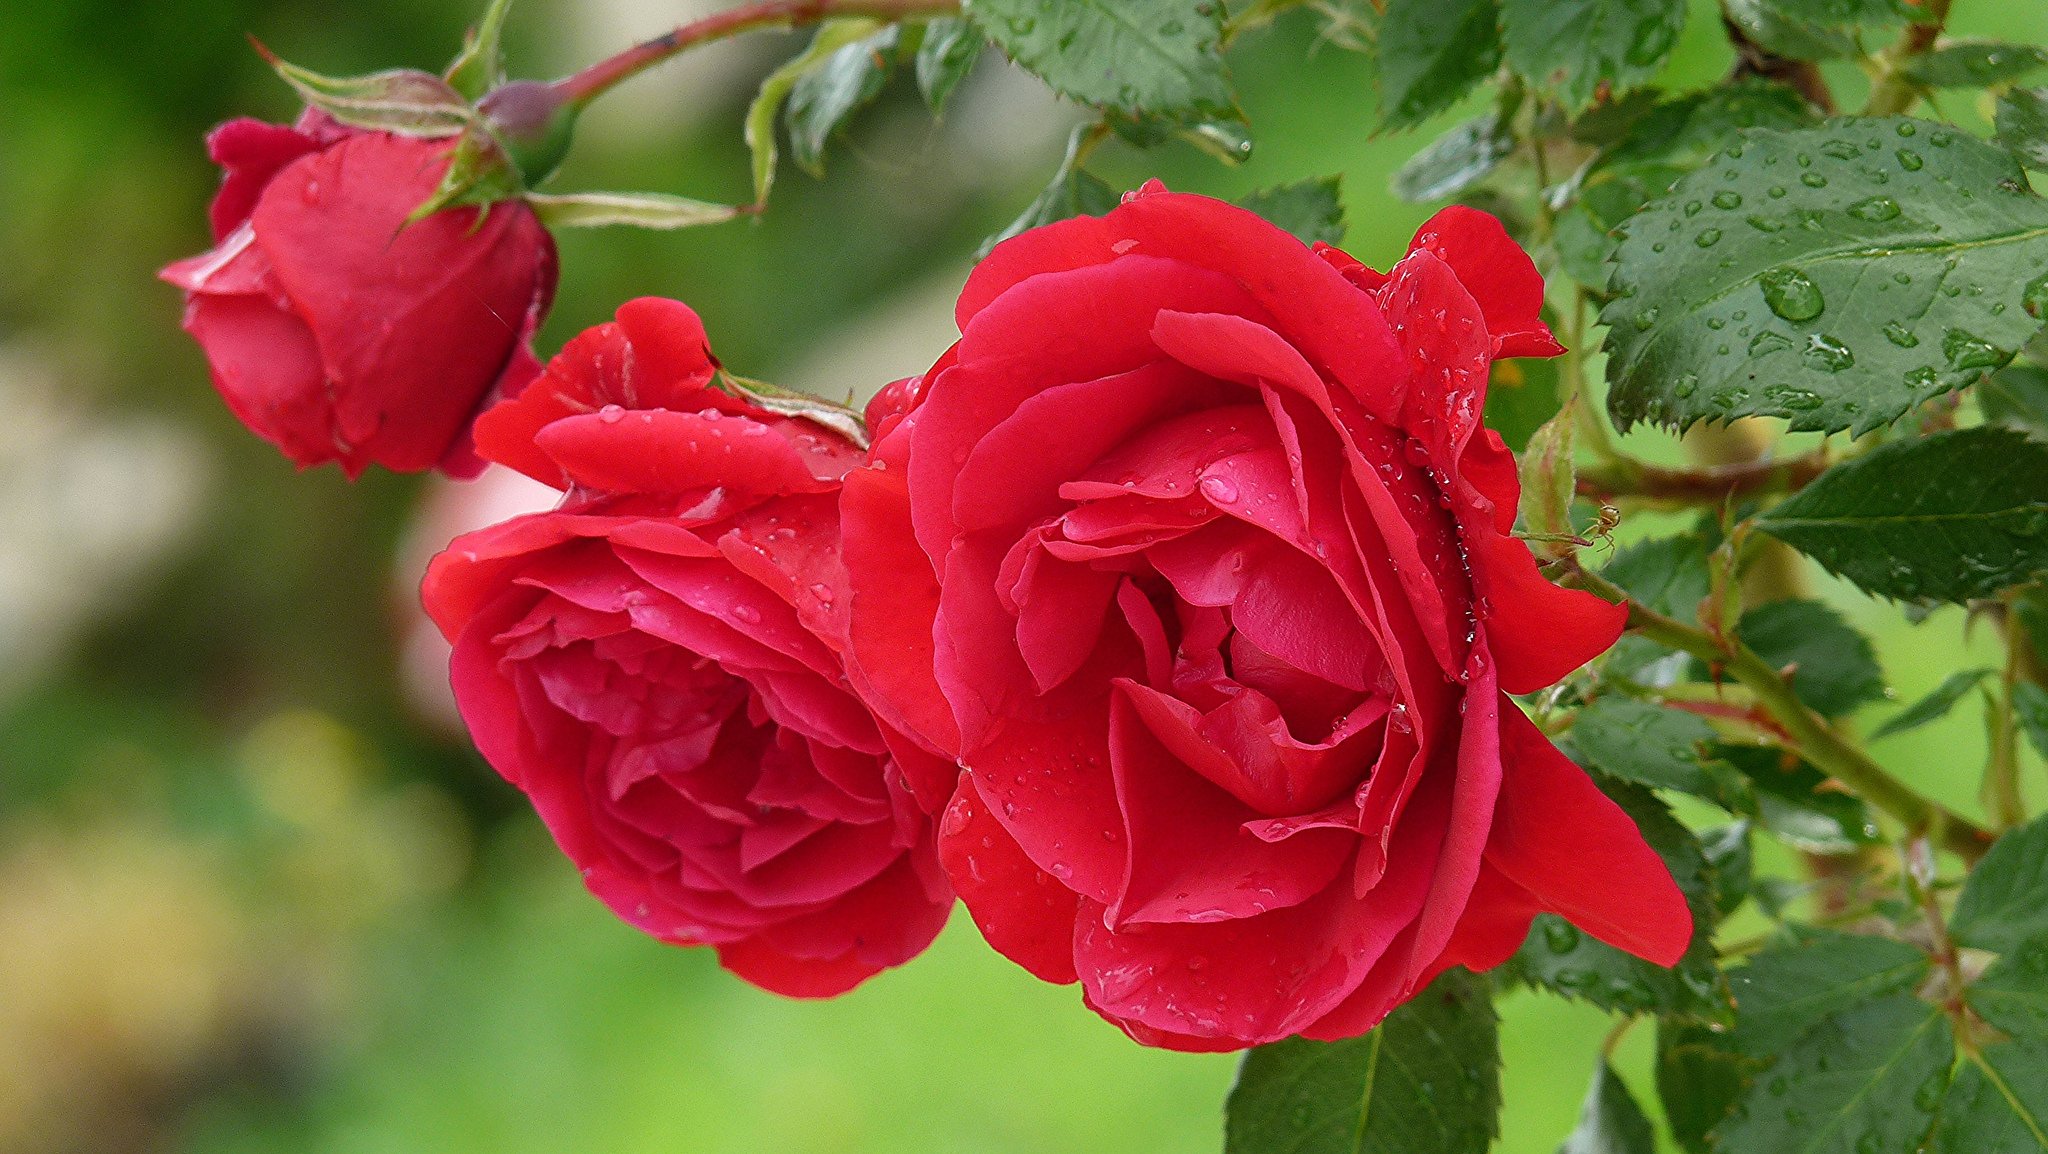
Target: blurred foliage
239,908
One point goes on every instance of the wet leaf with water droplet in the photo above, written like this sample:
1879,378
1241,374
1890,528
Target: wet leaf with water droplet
1860,1072
1431,53
1886,255
1577,47
1998,1102
2005,902
1137,56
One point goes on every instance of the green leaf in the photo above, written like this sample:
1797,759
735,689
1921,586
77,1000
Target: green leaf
637,209
1650,745
1312,209
1812,29
1561,958
2030,708
2013,993
1521,394
1795,804
2016,396
1833,668
825,95
1699,1080
403,100
775,90
1952,516
947,54
825,414
1934,706
1998,1103
1136,56
1792,986
1072,193
1455,161
1549,484
1866,1080
2022,123
1610,1122
1975,64
480,66
1431,53
1578,47
1834,276
1668,574
2005,902
1425,1080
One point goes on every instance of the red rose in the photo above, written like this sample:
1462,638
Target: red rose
336,331
657,664
1195,552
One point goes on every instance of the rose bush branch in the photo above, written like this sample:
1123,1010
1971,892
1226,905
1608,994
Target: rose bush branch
1706,485
1811,735
599,78
1894,91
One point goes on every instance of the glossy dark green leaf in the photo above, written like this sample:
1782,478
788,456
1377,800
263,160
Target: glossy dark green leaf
1831,666
1949,517
1998,1103
1136,56
1578,47
1561,958
2022,122
1431,53
1813,29
2013,994
1833,276
1668,574
1610,1122
1699,1080
1868,1079
2030,709
1976,64
1425,1080
1521,397
2016,396
1455,161
1651,745
1935,705
1790,987
1311,209
2005,901
826,94
1795,804
944,58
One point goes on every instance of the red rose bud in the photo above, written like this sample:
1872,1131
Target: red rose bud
1194,551
658,664
337,331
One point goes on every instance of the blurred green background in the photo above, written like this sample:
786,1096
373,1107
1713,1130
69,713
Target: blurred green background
257,894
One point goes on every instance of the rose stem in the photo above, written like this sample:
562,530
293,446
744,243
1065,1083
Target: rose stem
602,76
1813,738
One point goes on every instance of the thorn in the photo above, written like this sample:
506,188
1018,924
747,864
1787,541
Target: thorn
263,50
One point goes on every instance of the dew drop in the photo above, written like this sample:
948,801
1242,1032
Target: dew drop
1966,350
1728,199
1219,489
1875,209
1813,180
611,414
1791,294
1708,238
1767,342
1827,354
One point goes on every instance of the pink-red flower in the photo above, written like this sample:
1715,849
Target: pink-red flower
658,664
1194,551
338,332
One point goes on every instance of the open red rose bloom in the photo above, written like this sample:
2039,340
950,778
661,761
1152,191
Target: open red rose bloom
658,665
1194,553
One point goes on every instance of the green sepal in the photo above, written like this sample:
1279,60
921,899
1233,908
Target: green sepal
480,66
405,101
842,420
636,209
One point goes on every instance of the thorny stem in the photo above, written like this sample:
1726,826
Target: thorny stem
1894,93
1752,59
1707,485
606,74
1811,735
